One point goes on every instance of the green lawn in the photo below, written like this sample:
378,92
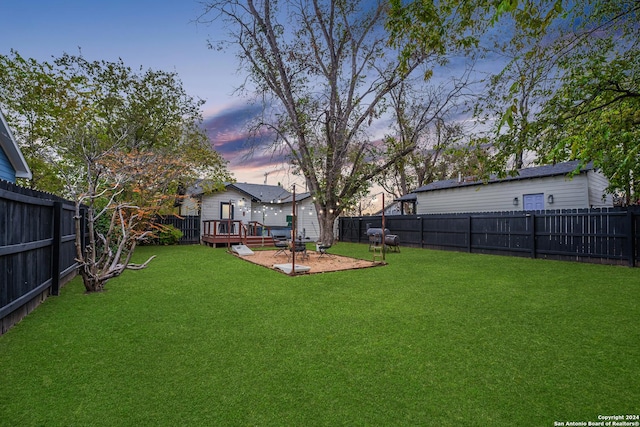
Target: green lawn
432,339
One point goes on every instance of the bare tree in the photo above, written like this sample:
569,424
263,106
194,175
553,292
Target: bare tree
423,119
324,69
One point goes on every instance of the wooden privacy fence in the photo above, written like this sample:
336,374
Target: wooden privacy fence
37,249
189,225
610,236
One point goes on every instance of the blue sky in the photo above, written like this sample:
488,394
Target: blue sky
157,34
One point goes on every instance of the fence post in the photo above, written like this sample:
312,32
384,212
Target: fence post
469,220
56,246
532,227
631,238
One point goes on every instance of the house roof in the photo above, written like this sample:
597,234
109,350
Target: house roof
410,197
257,192
527,173
10,147
260,192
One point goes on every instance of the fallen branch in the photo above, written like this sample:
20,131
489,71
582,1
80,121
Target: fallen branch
131,266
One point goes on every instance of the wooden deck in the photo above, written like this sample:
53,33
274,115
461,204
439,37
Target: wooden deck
221,233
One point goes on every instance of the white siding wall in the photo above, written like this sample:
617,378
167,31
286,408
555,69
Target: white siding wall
568,193
211,204
308,219
274,214
243,210
597,185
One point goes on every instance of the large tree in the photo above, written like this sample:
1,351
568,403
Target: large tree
590,111
572,92
119,142
513,97
593,116
324,68
34,98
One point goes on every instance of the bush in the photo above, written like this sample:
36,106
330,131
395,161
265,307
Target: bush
168,235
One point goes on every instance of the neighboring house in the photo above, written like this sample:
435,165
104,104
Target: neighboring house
537,188
269,205
12,163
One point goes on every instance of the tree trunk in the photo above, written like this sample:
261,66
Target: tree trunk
326,221
519,160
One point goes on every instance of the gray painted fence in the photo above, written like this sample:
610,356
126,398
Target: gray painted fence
37,249
610,236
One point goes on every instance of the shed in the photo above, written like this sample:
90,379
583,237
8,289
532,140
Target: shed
12,162
536,188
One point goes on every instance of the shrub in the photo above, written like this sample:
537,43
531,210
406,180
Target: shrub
168,235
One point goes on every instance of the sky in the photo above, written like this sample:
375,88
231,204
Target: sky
156,34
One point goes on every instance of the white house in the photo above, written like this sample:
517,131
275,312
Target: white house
269,205
537,188
12,162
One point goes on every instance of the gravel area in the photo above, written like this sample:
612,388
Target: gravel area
318,264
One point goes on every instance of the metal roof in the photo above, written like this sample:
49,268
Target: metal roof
261,192
410,197
526,173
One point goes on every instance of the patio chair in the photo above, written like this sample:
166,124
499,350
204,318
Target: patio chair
321,248
281,246
299,247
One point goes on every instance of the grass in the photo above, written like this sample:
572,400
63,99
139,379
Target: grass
432,339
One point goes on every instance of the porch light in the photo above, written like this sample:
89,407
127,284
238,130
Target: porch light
515,201
550,199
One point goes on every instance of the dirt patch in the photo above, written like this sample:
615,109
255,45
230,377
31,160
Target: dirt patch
318,264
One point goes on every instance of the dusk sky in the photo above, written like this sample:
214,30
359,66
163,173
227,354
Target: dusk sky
157,34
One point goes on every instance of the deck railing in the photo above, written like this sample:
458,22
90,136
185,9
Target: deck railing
229,232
